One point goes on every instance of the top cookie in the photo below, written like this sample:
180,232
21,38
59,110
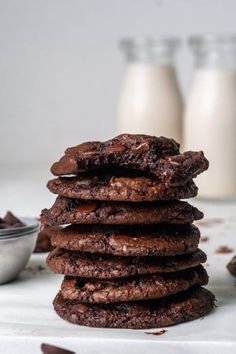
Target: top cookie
153,155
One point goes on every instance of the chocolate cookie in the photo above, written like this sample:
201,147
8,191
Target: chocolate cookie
144,287
231,266
135,240
138,152
43,243
73,211
108,187
86,265
182,307
126,150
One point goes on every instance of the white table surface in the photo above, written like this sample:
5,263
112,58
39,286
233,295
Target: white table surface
27,318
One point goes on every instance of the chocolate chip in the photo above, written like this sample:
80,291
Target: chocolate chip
116,148
142,147
90,153
86,208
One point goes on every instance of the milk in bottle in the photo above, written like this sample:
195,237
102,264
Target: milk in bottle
150,101
210,114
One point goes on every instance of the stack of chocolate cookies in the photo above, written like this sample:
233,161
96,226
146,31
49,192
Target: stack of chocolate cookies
130,254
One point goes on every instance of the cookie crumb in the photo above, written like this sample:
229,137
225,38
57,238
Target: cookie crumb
36,269
158,333
204,239
224,250
210,222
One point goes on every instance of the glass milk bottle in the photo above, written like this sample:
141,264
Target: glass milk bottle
210,115
150,101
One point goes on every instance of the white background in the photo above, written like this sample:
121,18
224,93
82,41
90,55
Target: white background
61,68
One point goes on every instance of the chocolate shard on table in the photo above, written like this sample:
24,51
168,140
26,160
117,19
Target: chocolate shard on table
10,221
52,349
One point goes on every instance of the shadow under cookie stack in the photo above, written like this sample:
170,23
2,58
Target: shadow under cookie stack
129,251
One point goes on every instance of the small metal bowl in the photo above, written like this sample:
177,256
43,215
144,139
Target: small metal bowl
16,246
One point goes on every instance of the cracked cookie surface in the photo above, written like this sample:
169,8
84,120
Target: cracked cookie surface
73,211
158,156
135,240
143,287
101,266
121,188
182,307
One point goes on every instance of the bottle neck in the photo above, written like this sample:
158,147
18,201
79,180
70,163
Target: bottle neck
215,60
214,51
149,57
150,51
